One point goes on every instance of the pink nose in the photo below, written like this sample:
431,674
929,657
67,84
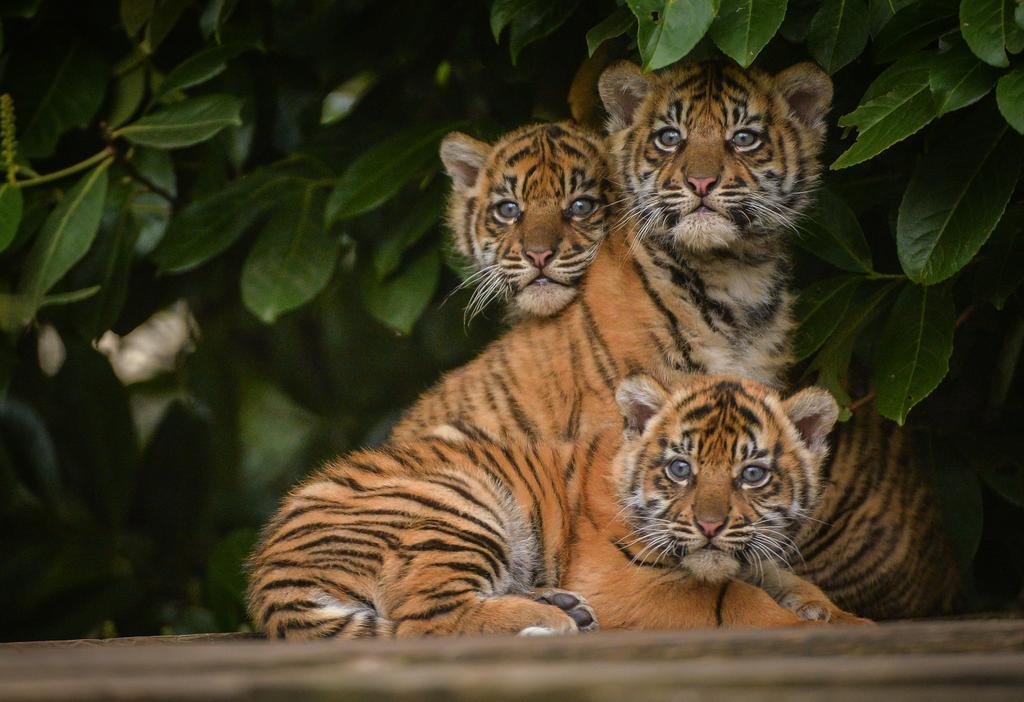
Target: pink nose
540,258
711,527
701,186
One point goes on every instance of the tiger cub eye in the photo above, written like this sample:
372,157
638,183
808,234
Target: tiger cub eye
678,470
745,139
668,139
507,211
582,206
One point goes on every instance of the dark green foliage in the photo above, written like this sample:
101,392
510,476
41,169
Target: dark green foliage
273,164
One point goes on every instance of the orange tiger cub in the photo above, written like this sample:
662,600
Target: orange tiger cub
528,232
663,525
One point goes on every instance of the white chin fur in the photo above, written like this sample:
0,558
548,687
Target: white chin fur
713,566
543,300
705,231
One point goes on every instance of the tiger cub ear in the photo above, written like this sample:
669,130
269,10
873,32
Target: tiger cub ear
640,397
813,412
623,86
463,157
808,90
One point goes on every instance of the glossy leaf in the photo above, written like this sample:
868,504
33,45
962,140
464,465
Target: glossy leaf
958,79
668,29
129,90
1000,270
202,67
71,94
165,17
380,172
912,28
11,205
1010,97
135,14
913,349
838,33
184,123
340,102
958,492
292,260
743,27
66,236
614,25
398,301
819,310
528,21
988,28
896,105
830,230
955,198
881,11
423,215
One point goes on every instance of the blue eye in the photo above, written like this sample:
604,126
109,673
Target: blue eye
582,206
746,139
754,476
507,211
668,139
678,470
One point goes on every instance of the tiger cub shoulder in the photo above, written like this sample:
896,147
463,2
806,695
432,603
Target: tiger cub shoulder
527,213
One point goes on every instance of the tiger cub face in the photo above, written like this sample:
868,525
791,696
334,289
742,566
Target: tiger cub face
709,154
528,213
720,474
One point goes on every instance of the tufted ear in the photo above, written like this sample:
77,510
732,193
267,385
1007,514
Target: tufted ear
463,157
808,90
813,412
640,397
623,86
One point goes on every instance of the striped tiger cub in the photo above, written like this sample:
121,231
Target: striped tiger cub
528,233
662,524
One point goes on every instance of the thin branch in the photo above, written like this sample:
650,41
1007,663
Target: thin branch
64,172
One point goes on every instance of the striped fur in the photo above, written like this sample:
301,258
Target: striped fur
659,298
544,171
455,532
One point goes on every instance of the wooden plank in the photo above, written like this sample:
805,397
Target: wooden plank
975,660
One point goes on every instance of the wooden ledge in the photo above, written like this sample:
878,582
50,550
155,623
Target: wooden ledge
975,660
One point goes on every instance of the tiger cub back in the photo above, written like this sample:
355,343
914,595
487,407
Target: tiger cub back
464,533
527,213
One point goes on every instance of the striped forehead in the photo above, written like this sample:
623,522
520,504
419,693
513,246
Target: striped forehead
546,162
709,97
721,420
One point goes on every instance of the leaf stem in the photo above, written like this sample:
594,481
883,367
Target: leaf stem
64,172
885,276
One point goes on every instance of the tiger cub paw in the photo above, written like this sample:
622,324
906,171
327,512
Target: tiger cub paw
572,604
826,612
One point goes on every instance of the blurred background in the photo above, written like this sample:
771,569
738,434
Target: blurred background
222,261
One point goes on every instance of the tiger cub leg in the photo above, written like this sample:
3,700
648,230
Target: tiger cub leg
801,596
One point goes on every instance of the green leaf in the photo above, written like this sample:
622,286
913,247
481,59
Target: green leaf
165,17
215,15
185,123
988,28
1000,270
339,103
838,33
18,310
528,20
399,301
292,260
913,350
913,28
958,491
833,360
881,11
226,577
668,29
66,236
744,27
424,214
135,14
209,226
380,172
202,67
830,230
614,25
955,198
71,93
958,79
1006,479
896,105
129,89
11,205
1010,97
819,309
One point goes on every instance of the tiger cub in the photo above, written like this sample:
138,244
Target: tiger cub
462,533
528,233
